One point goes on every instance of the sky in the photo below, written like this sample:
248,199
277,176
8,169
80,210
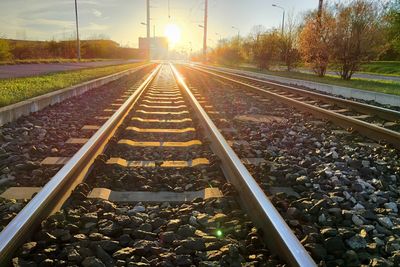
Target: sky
120,20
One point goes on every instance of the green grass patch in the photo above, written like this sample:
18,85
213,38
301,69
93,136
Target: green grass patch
18,89
387,87
382,67
51,60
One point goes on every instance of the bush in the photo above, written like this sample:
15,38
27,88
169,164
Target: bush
5,51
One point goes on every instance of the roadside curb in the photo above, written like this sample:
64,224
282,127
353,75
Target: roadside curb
13,112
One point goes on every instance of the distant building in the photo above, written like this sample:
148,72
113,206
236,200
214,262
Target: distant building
158,47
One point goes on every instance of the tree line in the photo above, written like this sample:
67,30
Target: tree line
343,36
105,49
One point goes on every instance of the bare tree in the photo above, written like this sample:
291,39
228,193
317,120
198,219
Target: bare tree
356,36
289,39
267,50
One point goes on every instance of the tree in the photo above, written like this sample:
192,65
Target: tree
266,50
356,36
5,50
315,40
252,39
393,17
289,39
227,52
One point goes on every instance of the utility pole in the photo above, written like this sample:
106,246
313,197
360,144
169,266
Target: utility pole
148,29
283,17
205,31
78,45
320,7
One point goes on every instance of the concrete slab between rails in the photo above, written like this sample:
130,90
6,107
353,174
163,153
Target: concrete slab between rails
163,112
20,193
55,161
318,123
160,130
162,164
253,161
373,145
228,130
340,132
164,98
102,117
78,141
287,190
13,112
140,196
161,121
164,107
386,99
238,143
159,144
164,102
259,118
90,127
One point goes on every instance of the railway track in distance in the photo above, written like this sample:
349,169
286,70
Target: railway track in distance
161,131
377,123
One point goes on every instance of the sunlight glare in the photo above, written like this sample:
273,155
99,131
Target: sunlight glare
173,33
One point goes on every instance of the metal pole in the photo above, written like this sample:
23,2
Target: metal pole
205,31
320,7
283,22
148,18
148,29
154,31
319,15
78,45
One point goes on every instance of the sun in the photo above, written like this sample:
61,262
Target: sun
173,33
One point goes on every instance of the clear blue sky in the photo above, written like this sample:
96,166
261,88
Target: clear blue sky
120,19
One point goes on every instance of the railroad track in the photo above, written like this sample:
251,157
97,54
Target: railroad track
158,178
380,124
301,162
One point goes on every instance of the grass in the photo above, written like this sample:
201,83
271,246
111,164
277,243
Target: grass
18,89
50,60
387,87
382,67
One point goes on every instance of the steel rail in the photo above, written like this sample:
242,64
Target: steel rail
276,232
58,189
384,113
366,129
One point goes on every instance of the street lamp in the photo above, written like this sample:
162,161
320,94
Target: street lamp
283,17
235,28
78,45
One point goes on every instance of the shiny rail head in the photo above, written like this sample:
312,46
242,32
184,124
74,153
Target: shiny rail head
62,184
259,206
